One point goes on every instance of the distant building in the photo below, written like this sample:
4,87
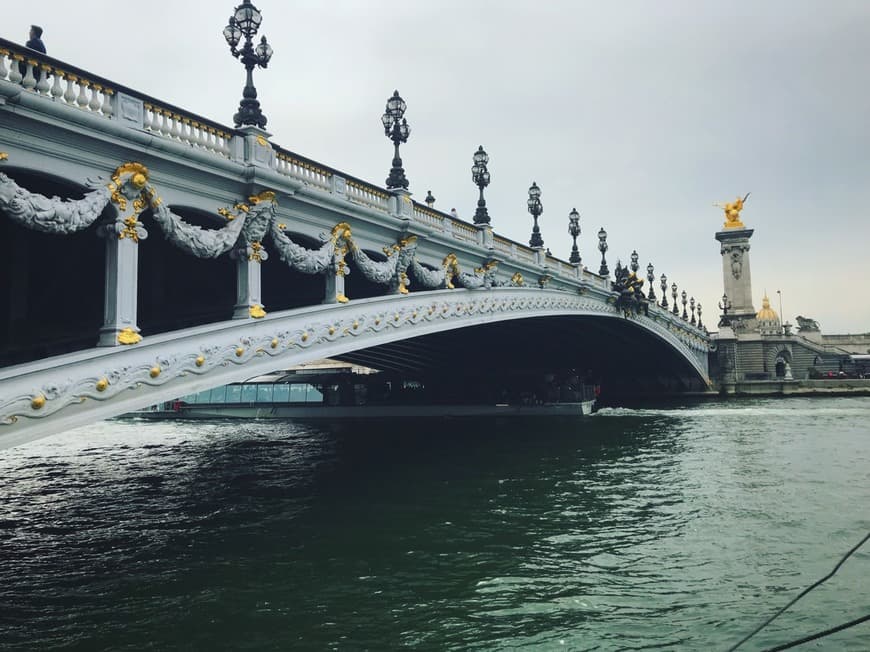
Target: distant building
755,352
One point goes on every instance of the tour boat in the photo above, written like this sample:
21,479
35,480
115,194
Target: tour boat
341,391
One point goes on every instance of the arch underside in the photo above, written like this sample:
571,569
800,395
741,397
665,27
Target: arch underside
626,358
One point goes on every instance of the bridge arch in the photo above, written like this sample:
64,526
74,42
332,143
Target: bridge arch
59,393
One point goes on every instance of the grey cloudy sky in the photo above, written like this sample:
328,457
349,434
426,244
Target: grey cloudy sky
640,114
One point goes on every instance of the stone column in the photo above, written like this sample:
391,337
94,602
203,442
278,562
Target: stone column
122,282
736,272
248,302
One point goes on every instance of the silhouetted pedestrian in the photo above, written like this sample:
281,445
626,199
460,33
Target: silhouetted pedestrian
34,43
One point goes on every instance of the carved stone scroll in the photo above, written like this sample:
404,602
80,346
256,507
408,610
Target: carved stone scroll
391,271
307,261
199,242
51,214
429,279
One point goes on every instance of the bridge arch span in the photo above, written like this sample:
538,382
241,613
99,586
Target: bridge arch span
59,393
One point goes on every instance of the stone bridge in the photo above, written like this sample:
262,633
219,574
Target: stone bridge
151,253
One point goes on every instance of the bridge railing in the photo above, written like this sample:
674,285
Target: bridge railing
71,86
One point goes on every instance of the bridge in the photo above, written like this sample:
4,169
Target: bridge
152,253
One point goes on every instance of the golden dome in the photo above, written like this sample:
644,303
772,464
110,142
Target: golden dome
766,313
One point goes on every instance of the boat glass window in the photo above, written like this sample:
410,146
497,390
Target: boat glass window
218,394
249,393
281,393
202,397
297,393
190,398
314,395
264,393
234,394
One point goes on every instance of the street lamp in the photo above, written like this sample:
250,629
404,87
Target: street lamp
245,21
651,278
664,282
574,231
535,208
685,315
396,129
674,310
634,266
700,324
725,306
692,309
602,247
480,176
430,200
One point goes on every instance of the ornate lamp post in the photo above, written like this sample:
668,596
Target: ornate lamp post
396,129
245,21
685,315
574,231
700,325
430,200
480,176
634,266
675,310
725,306
535,208
602,247
651,278
664,292
692,309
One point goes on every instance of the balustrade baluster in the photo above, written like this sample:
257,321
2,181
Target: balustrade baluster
29,81
82,98
108,108
15,75
42,85
56,88
164,122
95,103
175,131
69,95
195,134
3,69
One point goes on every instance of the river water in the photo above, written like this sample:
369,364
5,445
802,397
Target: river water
672,528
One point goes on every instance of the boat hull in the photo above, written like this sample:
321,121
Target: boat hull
577,409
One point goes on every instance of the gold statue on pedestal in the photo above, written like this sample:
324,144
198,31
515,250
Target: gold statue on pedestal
732,212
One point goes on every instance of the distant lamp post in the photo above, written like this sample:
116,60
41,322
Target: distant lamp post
674,310
634,266
480,176
664,282
685,315
430,200
397,130
651,279
781,317
692,310
574,231
725,306
602,247
700,324
245,22
535,208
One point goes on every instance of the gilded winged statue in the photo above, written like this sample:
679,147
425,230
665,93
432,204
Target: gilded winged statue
732,212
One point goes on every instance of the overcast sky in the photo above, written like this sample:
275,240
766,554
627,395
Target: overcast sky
639,114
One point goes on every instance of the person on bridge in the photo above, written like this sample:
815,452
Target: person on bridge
35,41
